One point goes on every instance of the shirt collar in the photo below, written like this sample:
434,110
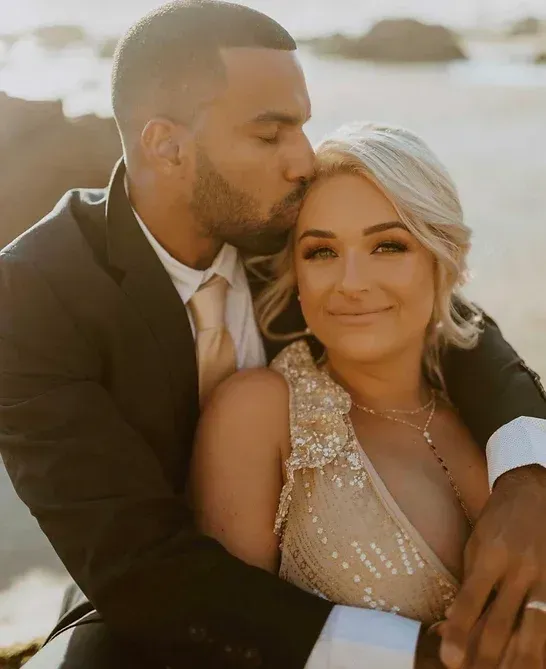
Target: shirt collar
225,264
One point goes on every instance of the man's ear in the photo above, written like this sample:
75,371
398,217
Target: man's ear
167,145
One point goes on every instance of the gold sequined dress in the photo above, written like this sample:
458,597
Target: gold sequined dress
343,536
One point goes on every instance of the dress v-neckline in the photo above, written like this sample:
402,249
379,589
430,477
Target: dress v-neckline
399,516
381,490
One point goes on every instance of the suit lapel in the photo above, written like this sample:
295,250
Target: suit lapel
143,278
145,281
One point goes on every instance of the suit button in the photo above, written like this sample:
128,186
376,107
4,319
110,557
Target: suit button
197,634
252,658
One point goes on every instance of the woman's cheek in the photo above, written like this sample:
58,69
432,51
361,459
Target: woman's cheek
309,290
410,277
315,281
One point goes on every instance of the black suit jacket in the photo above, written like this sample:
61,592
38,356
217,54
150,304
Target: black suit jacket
98,408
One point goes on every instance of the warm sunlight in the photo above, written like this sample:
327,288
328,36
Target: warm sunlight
132,304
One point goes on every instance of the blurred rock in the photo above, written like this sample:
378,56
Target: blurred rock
395,40
540,58
21,117
9,40
527,26
43,154
336,44
59,37
107,47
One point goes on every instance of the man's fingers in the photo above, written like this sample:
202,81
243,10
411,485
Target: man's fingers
531,647
510,653
464,613
501,622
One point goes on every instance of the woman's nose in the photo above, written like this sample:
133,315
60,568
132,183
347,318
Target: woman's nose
355,277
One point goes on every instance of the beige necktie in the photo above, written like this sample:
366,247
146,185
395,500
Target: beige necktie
215,349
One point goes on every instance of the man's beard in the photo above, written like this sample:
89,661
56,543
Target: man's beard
233,216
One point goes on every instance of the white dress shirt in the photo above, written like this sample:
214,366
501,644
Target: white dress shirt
240,320
352,638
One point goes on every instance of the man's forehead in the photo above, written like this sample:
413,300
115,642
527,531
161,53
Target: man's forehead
248,58
261,81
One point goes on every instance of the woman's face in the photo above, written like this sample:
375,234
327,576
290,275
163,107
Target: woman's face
366,284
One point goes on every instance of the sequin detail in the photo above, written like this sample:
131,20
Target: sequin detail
317,428
339,537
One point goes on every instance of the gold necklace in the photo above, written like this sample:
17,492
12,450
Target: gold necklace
426,436
411,412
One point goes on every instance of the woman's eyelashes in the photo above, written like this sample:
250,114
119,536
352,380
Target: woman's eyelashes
319,253
391,246
322,252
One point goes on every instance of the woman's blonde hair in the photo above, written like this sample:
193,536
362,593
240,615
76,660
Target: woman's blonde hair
402,166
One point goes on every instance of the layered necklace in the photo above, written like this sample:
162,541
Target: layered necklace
430,406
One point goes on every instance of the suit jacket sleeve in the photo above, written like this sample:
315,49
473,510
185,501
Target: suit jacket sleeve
491,385
98,493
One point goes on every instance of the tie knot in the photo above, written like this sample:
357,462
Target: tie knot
208,305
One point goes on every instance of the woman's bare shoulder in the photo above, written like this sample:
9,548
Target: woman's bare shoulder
258,398
237,475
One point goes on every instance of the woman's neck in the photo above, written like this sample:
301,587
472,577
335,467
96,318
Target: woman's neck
397,383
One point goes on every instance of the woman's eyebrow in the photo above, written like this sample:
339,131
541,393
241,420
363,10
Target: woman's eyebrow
314,232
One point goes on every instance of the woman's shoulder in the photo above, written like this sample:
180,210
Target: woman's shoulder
252,385
264,389
257,397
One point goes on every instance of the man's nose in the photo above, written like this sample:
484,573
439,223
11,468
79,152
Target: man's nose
300,161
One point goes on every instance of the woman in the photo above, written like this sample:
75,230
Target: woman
353,476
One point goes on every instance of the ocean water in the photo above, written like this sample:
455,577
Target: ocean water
485,118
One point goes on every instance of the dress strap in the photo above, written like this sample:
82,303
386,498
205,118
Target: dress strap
319,429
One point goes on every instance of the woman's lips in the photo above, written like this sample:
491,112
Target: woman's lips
359,317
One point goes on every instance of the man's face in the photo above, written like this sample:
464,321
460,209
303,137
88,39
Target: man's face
252,157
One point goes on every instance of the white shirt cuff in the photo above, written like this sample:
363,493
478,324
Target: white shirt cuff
355,638
520,443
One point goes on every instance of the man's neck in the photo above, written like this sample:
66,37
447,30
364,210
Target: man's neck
175,229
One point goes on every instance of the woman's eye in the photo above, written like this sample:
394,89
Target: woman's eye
390,247
320,253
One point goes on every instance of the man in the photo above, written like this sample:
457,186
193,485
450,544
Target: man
100,381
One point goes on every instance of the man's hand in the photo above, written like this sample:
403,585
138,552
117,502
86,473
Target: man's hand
427,654
506,558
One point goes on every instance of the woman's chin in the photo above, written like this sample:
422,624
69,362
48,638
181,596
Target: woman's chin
364,347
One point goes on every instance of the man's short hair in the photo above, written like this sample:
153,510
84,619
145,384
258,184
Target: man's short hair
166,58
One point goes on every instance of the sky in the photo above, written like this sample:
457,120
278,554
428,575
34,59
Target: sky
299,16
